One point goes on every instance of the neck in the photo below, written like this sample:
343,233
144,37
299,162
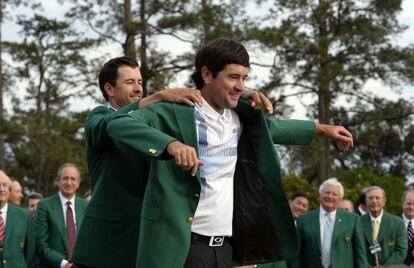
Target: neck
375,214
209,99
67,196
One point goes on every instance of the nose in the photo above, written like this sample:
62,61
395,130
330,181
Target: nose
239,85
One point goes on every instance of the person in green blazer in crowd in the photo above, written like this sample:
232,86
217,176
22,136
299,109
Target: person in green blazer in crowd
108,236
390,245
51,223
261,215
17,243
299,204
345,242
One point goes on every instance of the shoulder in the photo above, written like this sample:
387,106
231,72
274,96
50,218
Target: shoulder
393,218
309,215
347,215
81,201
49,200
20,212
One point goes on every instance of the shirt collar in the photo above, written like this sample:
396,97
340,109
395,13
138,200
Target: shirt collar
4,209
64,200
111,107
209,111
406,220
323,212
379,218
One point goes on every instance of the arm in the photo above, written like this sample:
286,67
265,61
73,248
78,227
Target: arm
41,228
29,246
339,134
401,245
133,135
358,244
186,96
293,132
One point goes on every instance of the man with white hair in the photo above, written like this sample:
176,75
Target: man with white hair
385,234
15,225
328,236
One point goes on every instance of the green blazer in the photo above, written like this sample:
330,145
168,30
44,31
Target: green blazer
261,216
109,233
19,242
50,229
392,237
347,250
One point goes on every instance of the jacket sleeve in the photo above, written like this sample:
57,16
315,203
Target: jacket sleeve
293,132
401,245
360,257
46,253
135,133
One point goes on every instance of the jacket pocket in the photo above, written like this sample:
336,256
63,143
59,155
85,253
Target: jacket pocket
150,212
109,214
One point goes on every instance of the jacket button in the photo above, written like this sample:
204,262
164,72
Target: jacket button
196,195
190,220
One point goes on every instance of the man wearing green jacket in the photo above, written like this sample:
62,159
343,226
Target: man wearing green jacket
58,219
17,243
234,208
385,234
328,236
109,233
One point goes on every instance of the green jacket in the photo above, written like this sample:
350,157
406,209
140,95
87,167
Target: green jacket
50,229
392,237
19,243
347,250
108,236
261,216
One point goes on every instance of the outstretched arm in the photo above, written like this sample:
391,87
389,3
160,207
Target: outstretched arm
185,96
339,134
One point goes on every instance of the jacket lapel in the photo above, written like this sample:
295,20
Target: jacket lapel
337,226
10,223
385,221
316,229
79,211
367,226
186,122
57,211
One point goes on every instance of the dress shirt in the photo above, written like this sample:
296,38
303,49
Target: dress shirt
323,218
378,219
406,221
4,215
63,201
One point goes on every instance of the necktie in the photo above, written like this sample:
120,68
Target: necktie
327,240
70,230
2,229
375,230
410,232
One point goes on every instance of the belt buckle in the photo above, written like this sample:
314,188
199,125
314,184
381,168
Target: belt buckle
216,241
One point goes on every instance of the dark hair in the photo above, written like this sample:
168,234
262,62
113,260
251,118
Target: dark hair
33,196
215,55
109,71
298,194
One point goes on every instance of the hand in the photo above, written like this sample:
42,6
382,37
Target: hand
69,265
343,137
185,156
186,96
258,100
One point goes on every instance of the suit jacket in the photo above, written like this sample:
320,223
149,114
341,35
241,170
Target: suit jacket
50,229
19,243
261,215
347,249
392,238
109,233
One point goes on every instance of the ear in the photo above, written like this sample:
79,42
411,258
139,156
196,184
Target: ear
206,75
109,89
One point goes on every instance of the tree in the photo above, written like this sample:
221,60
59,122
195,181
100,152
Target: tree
330,48
42,133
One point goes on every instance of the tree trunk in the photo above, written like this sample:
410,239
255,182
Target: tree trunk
129,28
143,48
2,121
323,94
